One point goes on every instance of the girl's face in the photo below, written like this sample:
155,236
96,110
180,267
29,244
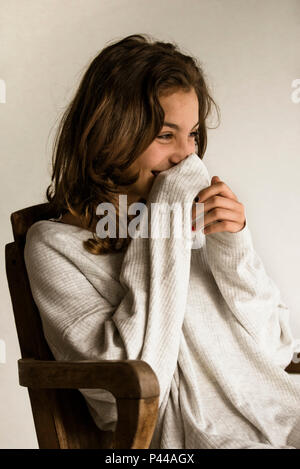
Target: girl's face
175,142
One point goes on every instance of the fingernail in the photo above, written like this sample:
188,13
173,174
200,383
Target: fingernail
193,228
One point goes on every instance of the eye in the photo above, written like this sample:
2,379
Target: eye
168,136
165,136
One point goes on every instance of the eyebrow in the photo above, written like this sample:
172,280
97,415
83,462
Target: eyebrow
175,126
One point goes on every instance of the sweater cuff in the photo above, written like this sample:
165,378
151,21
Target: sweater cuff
241,238
177,187
181,183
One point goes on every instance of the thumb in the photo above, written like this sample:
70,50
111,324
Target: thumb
215,179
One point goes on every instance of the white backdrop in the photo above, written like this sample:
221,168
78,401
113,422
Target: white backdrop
250,52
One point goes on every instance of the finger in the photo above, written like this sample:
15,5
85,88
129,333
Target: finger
214,202
230,226
221,214
219,188
216,215
215,179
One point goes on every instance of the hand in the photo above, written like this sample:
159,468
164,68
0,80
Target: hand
222,210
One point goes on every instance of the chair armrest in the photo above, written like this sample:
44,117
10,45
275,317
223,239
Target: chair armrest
132,382
132,379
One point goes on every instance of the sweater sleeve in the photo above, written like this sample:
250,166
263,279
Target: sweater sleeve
155,273
250,293
146,322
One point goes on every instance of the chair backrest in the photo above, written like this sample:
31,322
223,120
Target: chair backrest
61,417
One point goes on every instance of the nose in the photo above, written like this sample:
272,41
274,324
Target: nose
182,151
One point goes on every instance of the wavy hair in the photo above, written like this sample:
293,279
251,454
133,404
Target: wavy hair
112,119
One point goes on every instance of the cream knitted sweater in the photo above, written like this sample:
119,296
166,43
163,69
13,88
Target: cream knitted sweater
201,310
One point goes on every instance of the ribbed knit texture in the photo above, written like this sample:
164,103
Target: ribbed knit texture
201,310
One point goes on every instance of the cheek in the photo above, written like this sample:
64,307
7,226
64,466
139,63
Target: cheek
155,156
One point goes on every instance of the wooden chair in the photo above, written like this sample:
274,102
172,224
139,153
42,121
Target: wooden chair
61,416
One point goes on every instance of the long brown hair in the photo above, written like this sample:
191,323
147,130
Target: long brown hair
112,119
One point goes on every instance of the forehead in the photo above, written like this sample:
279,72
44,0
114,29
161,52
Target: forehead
183,100
180,108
